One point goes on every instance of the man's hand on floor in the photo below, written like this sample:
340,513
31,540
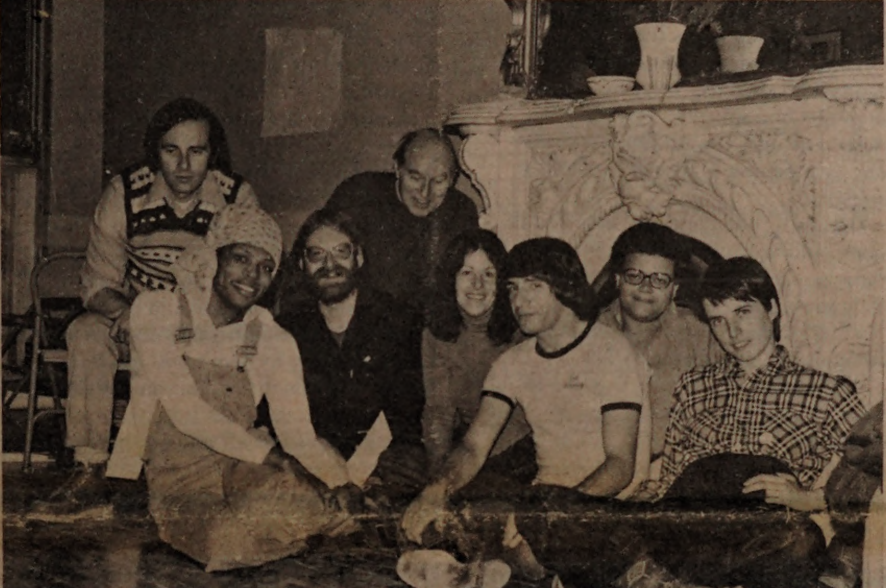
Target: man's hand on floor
784,489
349,498
429,507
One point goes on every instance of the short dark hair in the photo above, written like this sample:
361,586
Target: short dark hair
555,262
741,278
324,217
444,319
651,239
426,134
181,110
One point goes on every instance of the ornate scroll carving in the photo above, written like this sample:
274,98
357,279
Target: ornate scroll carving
786,161
566,184
648,155
651,163
478,157
491,163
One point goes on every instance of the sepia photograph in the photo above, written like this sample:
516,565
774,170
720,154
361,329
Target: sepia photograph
443,293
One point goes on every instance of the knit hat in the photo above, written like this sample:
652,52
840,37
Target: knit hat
247,224
236,223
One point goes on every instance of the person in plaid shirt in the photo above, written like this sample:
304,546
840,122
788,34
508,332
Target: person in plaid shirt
758,401
749,437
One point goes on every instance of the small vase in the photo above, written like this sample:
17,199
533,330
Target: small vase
659,47
739,53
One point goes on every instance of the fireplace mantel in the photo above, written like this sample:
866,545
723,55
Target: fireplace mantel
788,170
848,82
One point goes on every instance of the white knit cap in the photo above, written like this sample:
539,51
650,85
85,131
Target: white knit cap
247,224
236,223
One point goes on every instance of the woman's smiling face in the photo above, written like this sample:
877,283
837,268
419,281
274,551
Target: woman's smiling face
475,284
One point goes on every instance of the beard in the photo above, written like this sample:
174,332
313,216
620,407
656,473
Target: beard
333,293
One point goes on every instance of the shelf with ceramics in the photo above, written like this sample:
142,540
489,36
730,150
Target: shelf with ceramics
851,81
790,39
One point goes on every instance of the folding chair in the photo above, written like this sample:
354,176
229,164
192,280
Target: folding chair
17,328
52,315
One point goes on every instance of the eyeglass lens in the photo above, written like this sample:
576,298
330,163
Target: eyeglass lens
318,254
658,280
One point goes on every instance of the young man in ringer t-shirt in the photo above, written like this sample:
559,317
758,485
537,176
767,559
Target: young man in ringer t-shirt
579,383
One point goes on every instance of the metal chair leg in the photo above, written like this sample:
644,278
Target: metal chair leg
40,342
32,394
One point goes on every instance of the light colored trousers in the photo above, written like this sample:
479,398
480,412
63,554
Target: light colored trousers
92,364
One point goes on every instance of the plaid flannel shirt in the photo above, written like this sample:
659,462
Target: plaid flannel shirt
794,413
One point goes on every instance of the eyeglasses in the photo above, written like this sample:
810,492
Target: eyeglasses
343,252
657,280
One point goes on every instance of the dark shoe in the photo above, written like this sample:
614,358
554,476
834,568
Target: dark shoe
845,567
84,495
647,573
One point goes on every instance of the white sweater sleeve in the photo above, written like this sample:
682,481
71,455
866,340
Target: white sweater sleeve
276,372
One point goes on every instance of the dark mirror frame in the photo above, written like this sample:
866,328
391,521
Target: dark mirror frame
556,45
531,20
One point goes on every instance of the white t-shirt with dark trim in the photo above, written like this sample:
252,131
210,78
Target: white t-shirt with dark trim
564,395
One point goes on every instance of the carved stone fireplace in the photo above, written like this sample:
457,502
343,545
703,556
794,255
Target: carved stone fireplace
788,170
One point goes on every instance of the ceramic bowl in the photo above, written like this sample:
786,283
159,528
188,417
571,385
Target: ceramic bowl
610,85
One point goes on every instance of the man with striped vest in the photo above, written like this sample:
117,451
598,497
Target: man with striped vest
147,215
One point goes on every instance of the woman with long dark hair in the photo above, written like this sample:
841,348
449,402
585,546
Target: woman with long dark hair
470,324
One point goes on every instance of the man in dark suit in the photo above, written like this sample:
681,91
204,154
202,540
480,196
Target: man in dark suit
406,218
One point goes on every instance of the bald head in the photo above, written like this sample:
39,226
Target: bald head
426,168
427,139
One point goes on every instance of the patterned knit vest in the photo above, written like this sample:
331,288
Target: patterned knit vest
155,234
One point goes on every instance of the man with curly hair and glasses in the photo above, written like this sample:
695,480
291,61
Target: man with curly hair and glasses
649,263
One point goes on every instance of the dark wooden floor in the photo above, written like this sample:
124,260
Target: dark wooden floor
124,551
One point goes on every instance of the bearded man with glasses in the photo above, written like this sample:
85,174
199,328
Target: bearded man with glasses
361,356
649,261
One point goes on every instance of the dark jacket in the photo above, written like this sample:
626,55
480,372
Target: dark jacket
401,249
377,367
